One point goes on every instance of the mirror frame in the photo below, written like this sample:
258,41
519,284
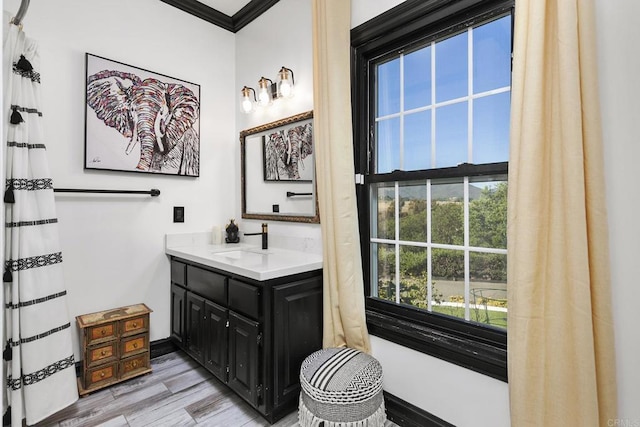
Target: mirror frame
315,219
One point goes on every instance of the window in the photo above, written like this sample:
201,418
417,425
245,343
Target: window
432,101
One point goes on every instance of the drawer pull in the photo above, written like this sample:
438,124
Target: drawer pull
135,325
103,352
103,331
101,374
135,345
134,364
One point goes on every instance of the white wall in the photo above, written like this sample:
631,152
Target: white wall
364,10
113,247
617,43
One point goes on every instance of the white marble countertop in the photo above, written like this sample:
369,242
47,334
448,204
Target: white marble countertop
244,259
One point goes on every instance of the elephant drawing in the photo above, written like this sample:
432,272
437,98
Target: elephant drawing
158,116
285,151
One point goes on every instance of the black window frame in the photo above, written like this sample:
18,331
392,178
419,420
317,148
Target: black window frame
464,343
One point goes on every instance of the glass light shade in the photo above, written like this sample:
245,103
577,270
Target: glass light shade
286,89
285,83
247,105
264,92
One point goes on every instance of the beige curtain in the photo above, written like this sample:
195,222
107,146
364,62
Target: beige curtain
344,318
561,346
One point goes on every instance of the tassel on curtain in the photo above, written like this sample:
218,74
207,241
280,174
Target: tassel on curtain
38,353
561,347
344,314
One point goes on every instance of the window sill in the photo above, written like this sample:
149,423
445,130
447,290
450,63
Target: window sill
465,344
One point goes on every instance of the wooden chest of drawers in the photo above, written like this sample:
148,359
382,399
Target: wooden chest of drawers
115,346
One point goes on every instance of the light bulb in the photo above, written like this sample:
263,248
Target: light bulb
263,97
285,88
285,83
264,91
247,105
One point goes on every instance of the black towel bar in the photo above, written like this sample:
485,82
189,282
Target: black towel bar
291,194
154,192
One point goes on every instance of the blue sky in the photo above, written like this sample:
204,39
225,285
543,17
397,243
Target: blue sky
490,45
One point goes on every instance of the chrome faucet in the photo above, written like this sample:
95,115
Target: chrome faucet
265,236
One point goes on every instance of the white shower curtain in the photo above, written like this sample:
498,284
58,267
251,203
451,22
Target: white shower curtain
38,353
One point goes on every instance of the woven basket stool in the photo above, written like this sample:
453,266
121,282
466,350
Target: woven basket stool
341,387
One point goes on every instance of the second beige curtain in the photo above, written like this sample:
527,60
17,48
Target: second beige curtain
344,317
561,346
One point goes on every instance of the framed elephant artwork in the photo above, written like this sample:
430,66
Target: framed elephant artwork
140,121
287,152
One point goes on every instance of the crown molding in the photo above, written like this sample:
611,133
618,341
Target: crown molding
234,23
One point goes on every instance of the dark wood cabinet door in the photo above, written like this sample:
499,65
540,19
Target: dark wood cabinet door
215,339
297,332
244,343
195,326
178,295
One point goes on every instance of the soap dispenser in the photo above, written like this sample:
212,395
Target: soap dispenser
232,233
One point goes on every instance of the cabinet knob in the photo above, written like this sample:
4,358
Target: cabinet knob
135,325
101,374
102,353
103,331
135,345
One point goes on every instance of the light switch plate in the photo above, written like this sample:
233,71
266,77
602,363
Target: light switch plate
178,214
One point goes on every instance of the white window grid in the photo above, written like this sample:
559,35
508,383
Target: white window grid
466,248
433,106
429,245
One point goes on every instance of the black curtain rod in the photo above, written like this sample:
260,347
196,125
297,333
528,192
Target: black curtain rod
154,192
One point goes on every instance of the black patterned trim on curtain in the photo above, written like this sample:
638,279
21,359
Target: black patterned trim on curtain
31,223
39,336
30,184
25,145
47,371
35,301
33,262
32,75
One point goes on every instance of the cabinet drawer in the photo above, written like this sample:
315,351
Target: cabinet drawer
134,365
101,375
178,270
244,298
102,333
208,284
102,353
134,345
135,325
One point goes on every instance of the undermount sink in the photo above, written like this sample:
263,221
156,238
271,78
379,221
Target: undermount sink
257,251
243,254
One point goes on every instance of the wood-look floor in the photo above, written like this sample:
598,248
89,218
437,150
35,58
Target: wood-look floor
178,392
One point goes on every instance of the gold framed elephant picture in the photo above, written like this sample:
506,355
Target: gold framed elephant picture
140,121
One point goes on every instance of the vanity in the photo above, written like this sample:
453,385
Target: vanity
249,316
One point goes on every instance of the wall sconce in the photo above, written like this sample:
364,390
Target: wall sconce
268,91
